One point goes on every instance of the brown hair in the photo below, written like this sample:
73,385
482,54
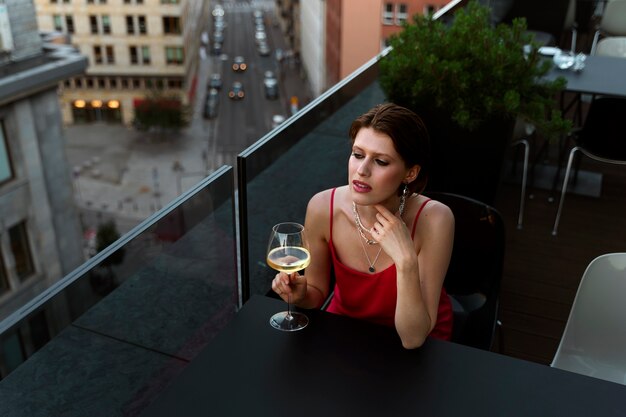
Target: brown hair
408,134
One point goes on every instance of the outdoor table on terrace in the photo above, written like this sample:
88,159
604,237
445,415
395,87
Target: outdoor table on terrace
339,366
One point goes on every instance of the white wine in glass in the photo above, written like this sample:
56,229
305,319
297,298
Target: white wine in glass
288,252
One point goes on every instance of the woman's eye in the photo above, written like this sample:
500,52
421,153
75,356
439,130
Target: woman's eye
381,162
357,155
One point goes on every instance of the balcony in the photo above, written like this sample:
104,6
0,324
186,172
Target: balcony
118,333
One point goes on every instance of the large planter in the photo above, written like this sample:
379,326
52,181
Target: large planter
468,163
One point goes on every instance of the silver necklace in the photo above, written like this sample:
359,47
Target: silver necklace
371,264
359,228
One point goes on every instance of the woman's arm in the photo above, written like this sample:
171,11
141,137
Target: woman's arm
420,274
311,290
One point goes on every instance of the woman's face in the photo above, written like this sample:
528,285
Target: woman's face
376,170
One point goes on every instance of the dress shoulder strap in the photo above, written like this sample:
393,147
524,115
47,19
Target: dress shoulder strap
332,200
417,216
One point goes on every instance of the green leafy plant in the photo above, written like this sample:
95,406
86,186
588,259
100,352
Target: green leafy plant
161,112
472,71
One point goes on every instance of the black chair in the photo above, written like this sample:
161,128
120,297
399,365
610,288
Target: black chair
547,21
475,271
601,138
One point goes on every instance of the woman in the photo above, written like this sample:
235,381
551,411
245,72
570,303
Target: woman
390,246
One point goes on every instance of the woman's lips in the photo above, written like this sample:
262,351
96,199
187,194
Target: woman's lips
361,187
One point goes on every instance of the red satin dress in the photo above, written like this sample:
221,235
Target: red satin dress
372,297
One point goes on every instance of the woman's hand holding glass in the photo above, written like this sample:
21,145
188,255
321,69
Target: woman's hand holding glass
290,287
288,253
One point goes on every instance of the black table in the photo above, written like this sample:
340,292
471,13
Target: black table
338,366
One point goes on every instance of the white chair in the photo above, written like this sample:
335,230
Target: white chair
594,340
612,26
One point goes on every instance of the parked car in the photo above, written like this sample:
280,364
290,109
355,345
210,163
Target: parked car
239,64
236,92
215,81
211,104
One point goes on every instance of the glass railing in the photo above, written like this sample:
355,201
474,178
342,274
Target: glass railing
144,306
280,173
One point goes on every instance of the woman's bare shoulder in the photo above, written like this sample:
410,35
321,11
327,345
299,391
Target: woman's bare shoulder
438,214
320,202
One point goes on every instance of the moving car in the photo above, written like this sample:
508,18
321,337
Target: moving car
277,120
271,88
237,92
239,64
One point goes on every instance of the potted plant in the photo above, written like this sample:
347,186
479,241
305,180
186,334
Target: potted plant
470,81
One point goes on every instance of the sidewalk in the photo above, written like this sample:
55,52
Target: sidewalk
122,173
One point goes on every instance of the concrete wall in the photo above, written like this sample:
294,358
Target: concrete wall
40,195
26,40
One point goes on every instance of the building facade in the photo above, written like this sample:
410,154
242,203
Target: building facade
40,233
135,48
351,33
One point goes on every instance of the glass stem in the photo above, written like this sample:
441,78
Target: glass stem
289,316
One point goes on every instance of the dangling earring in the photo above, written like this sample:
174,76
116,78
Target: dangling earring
405,193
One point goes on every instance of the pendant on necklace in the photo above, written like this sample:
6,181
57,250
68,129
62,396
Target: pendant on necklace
372,269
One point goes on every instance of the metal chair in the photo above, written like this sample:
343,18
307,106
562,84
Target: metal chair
612,28
601,138
475,270
594,340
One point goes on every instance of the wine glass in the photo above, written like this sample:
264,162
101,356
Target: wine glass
288,251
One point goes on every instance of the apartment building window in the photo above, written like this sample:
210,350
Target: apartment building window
6,167
102,82
174,83
4,279
113,82
174,55
57,22
134,56
93,23
131,1
97,54
20,247
145,55
388,14
106,24
78,82
401,13
69,23
110,53
429,9
12,351
171,25
89,82
143,29
130,25
170,1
